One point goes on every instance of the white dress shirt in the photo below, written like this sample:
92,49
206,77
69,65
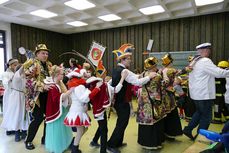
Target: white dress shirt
133,78
202,79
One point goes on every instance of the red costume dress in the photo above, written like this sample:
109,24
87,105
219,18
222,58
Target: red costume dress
77,115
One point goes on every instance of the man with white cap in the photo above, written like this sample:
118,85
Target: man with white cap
202,89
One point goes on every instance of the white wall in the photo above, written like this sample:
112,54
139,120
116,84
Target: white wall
6,27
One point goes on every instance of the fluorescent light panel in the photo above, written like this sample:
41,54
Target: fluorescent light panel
152,10
77,23
109,17
43,13
3,1
207,2
79,4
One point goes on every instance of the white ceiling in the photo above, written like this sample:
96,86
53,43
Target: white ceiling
17,11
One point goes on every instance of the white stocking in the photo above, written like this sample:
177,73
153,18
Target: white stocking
79,134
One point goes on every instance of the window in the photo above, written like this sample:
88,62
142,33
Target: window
2,52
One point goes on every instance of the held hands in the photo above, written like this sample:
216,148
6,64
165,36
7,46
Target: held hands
152,75
99,84
48,86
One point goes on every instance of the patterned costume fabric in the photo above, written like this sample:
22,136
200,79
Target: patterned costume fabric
168,93
150,111
35,74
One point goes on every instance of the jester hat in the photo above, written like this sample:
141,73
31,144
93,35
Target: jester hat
101,70
123,51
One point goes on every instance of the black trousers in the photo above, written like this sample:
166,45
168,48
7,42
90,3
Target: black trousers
123,112
102,133
220,108
38,116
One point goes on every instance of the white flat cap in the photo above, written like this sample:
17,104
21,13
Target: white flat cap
204,45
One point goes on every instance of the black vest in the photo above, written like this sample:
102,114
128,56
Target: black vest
116,76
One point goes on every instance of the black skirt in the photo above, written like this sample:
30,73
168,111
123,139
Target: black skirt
172,124
151,136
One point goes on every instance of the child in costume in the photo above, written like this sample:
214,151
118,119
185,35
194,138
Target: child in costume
100,102
17,118
77,115
7,82
58,136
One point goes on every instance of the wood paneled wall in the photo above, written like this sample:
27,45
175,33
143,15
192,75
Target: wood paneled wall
173,35
29,37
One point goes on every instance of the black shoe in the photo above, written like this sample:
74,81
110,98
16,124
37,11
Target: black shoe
10,132
75,149
112,150
94,144
17,136
29,145
23,134
188,134
122,145
43,140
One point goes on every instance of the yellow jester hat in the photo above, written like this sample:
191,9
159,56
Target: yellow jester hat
123,51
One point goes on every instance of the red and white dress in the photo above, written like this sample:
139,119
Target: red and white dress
77,115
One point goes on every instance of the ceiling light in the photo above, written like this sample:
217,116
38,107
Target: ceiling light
77,23
207,2
109,17
152,10
43,13
79,4
3,1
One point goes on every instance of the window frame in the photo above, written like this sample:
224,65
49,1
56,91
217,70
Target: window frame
4,44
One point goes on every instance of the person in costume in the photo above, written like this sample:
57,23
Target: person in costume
180,95
77,115
36,70
123,97
151,109
202,89
58,136
172,122
74,64
189,106
100,103
219,109
17,118
7,82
